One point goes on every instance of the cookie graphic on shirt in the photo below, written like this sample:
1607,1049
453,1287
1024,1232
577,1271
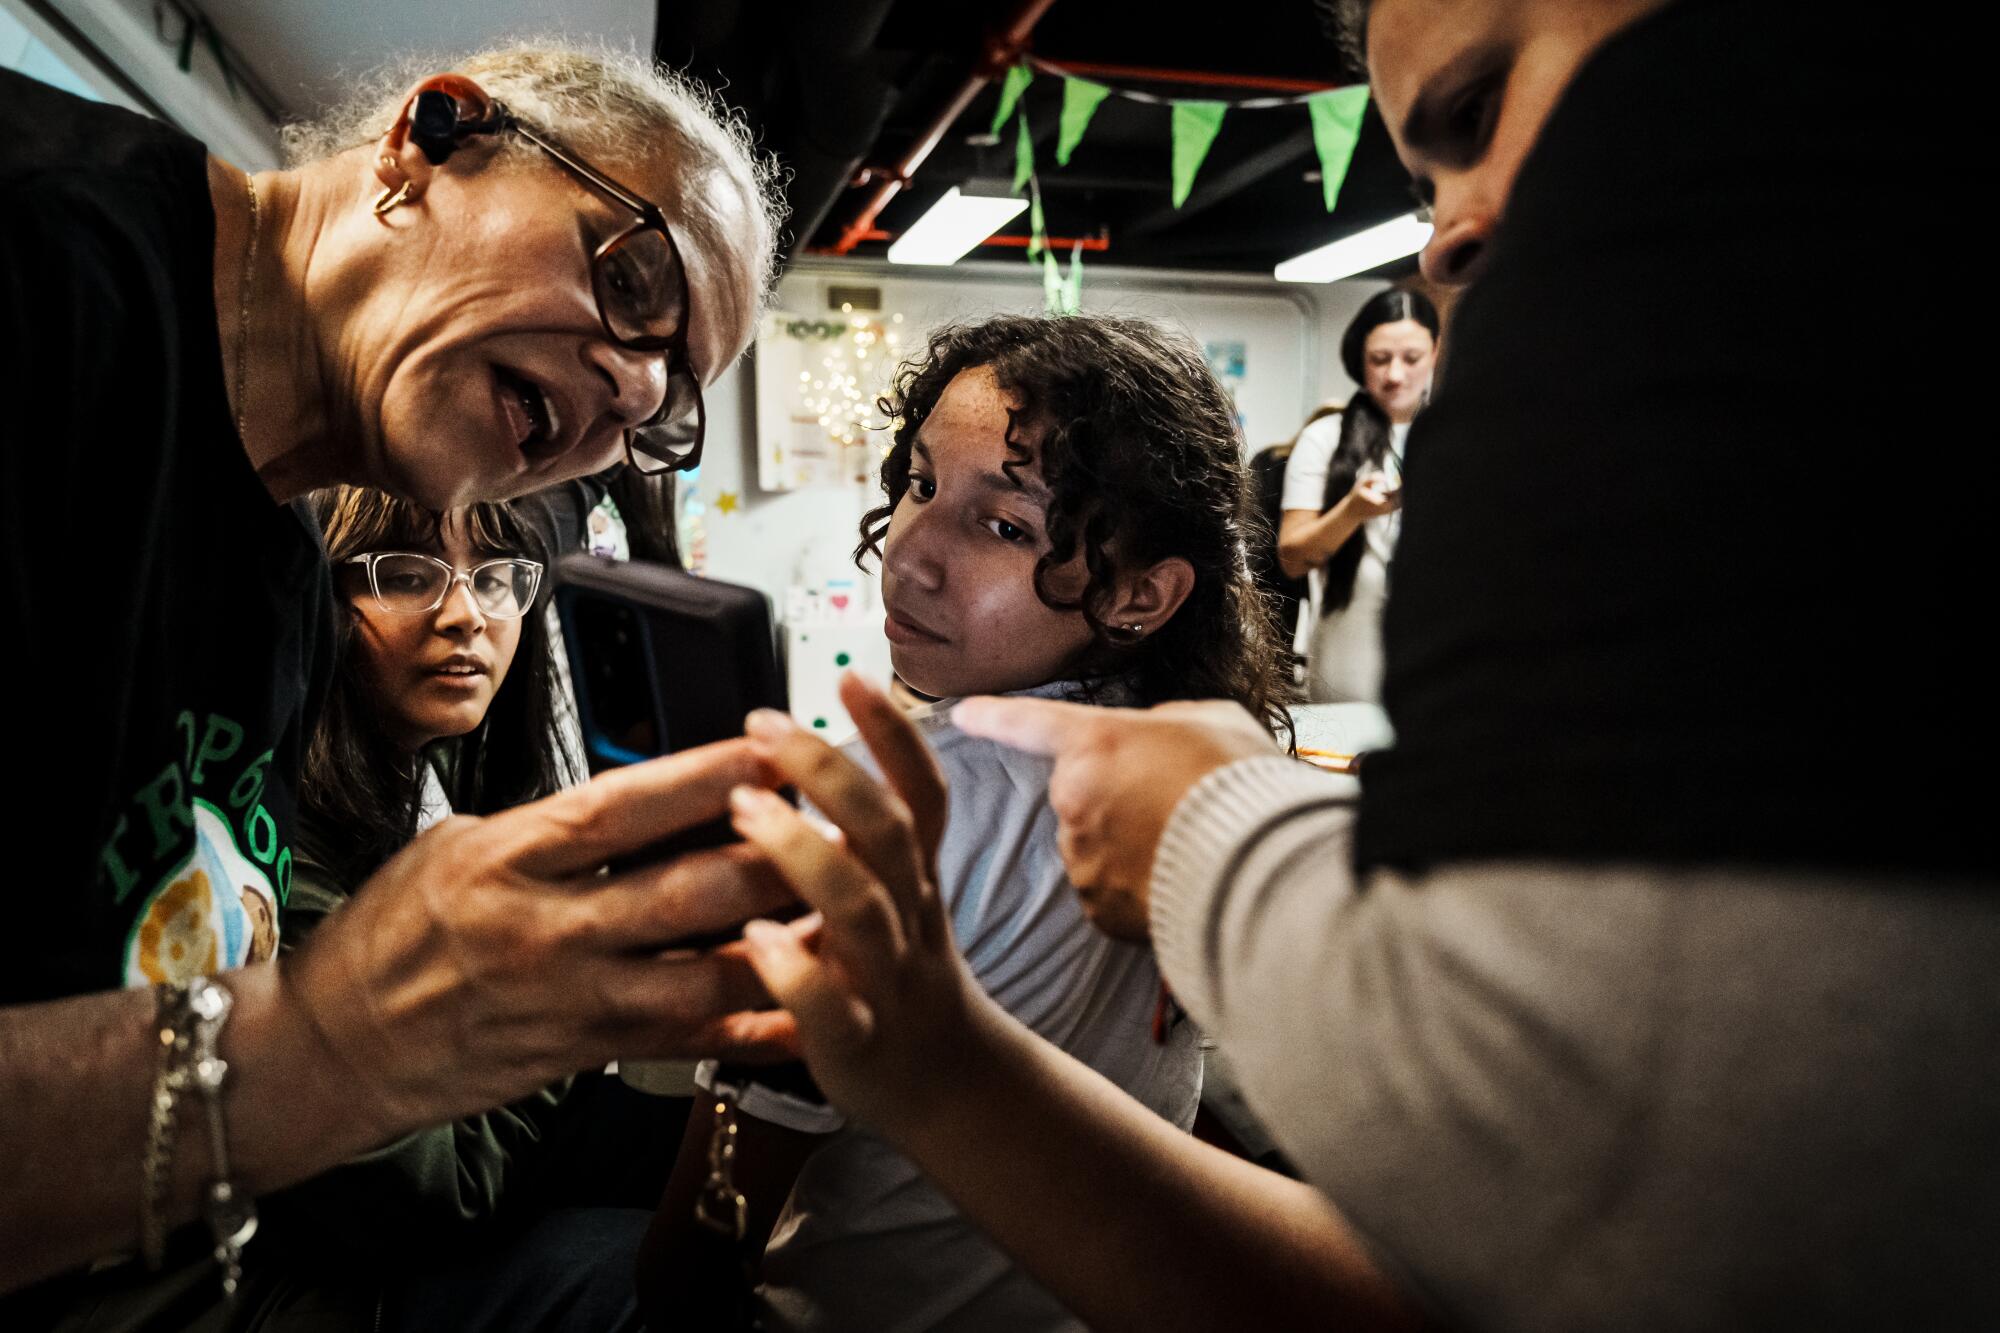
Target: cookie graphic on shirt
214,912
177,936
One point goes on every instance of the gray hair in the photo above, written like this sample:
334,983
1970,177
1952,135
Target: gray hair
603,102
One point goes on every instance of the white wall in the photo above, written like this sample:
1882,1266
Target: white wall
30,45
144,45
1291,334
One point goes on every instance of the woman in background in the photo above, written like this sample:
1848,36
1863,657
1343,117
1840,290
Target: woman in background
1344,488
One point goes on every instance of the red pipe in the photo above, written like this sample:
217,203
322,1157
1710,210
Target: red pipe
1144,74
1003,48
1057,243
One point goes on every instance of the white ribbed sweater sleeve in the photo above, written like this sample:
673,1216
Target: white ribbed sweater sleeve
1255,864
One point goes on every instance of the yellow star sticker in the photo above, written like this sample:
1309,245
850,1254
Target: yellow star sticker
726,502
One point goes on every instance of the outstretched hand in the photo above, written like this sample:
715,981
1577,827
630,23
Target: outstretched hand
882,1002
1119,774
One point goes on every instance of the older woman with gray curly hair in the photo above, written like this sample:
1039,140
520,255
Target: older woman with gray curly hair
493,275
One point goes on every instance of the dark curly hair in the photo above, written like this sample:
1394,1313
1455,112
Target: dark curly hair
1138,446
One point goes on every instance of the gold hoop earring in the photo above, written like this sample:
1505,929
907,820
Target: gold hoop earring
391,199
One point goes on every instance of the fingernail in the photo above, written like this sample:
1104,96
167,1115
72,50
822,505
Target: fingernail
762,935
823,826
750,802
767,724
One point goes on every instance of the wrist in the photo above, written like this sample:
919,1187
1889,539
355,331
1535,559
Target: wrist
295,1107
952,1081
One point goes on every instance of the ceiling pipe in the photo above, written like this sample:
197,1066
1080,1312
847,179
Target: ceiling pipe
1002,49
1097,243
1195,77
1054,244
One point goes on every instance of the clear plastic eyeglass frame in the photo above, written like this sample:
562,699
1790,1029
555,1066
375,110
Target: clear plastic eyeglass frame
372,560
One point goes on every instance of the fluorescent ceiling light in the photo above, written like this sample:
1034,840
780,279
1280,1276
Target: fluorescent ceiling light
954,225
1357,253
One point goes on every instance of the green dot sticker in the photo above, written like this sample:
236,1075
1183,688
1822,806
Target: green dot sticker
820,723
842,659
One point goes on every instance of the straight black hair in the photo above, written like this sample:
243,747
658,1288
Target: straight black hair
1365,434
359,793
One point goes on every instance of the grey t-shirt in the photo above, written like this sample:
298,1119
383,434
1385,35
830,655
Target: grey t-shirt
865,1241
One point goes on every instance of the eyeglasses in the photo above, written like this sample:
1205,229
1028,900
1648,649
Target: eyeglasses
637,276
409,583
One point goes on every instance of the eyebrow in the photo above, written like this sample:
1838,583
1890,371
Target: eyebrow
1033,489
1424,125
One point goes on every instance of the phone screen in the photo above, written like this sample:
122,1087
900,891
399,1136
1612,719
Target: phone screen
622,717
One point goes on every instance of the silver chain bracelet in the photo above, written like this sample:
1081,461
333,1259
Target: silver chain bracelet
190,1019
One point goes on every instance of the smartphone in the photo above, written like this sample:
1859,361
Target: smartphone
662,661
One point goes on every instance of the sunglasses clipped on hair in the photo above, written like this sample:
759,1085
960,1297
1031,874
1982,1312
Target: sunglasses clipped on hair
637,276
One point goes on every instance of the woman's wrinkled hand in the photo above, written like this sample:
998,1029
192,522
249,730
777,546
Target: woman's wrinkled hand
886,1012
492,955
1119,773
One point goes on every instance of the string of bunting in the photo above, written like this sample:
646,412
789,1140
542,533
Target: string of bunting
1335,115
1062,294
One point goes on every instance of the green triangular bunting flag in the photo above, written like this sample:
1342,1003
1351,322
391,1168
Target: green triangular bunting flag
1037,229
1024,154
1018,77
1336,121
1080,99
1073,284
1052,284
1195,126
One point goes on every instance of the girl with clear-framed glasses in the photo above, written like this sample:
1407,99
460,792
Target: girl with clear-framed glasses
443,699
443,686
